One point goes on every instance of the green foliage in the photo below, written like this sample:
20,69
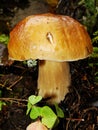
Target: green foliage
95,39
2,104
93,60
91,14
90,5
32,100
35,112
4,38
95,52
47,115
95,49
59,111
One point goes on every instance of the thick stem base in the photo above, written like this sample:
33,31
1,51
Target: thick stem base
54,80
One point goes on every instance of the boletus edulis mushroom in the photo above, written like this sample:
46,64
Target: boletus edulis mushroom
54,40
36,126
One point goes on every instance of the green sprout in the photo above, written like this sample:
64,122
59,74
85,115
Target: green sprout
45,113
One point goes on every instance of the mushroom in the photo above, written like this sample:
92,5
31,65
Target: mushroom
37,125
54,40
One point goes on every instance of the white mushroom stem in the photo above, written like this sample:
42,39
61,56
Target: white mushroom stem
54,80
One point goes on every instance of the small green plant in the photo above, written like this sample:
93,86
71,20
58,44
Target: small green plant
95,39
4,38
89,19
45,113
2,103
93,60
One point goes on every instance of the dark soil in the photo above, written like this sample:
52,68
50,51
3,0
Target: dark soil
18,81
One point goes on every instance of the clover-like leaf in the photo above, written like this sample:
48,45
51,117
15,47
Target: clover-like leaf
59,111
29,106
35,112
48,117
34,99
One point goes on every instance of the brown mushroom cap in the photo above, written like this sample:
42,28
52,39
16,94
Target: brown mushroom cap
49,37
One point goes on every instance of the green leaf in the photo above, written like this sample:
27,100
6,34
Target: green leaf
2,104
34,99
59,111
48,117
35,112
4,38
95,49
29,106
90,4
